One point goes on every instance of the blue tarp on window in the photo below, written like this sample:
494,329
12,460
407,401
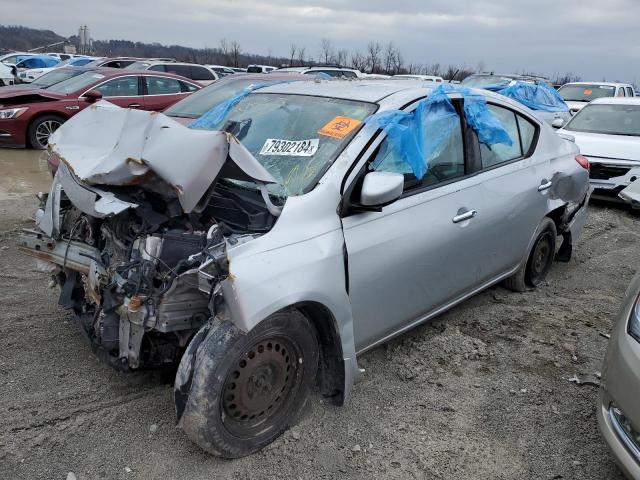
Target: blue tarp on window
422,134
541,97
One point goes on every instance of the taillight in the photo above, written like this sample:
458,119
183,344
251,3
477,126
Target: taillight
584,163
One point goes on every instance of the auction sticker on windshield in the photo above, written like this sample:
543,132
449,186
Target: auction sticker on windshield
292,148
339,127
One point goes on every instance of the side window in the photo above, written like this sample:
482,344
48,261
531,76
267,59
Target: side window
500,153
620,92
527,133
629,92
187,87
182,70
201,73
119,87
162,85
348,74
447,165
157,68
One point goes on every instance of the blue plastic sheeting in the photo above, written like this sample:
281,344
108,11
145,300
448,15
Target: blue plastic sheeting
213,117
541,97
421,135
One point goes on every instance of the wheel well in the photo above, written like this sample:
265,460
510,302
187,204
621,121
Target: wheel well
40,115
559,217
330,378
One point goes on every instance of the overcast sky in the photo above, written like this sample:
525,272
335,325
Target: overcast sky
595,39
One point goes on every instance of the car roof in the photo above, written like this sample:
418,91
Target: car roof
360,90
605,84
162,62
616,101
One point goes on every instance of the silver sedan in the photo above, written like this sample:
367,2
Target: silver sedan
292,228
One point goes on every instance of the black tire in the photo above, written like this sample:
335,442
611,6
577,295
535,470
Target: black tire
540,259
235,393
41,128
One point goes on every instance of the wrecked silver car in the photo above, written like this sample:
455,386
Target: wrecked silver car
292,228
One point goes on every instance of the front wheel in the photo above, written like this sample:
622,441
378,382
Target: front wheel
236,392
540,259
42,128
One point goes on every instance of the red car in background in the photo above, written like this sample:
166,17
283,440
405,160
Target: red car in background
29,116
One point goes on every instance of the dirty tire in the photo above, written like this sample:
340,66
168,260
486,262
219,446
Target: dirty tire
41,128
235,393
540,259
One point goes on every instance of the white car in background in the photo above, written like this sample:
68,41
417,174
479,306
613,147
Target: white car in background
6,75
607,131
28,76
260,69
578,94
221,70
334,72
198,73
424,78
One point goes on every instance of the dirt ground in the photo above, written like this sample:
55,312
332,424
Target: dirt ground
481,392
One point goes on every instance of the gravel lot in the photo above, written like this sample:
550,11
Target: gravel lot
481,392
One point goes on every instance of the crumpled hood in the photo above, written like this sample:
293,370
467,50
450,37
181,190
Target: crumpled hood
607,146
108,145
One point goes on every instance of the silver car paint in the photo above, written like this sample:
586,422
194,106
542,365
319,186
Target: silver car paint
302,258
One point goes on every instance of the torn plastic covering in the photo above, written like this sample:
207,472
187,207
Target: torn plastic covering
541,97
422,134
108,145
211,119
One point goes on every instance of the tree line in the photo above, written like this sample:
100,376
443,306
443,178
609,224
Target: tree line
375,57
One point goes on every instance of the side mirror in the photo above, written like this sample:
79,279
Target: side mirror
557,123
381,188
92,96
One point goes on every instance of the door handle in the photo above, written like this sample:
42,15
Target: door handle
461,217
134,105
544,185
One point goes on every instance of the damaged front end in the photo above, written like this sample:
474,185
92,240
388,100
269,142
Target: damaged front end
138,225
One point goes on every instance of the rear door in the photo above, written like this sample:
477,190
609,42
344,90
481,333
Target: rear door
515,183
123,91
161,92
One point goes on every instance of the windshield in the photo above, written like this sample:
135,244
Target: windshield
76,83
200,102
55,76
585,93
607,119
138,66
480,81
295,137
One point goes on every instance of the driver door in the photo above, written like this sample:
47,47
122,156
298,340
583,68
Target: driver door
421,251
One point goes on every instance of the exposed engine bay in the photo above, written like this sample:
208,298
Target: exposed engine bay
138,258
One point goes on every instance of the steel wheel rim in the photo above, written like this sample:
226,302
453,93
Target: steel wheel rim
44,131
259,385
540,258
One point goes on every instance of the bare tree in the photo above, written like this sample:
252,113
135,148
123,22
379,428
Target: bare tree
358,60
398,62
373,55
301,57
389,57
292,53
326,50
341,57
224,50
235,50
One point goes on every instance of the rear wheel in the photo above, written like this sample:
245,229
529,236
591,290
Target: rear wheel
237,392
42,128
540,259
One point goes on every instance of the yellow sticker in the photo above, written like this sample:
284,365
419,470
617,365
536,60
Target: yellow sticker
339,127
